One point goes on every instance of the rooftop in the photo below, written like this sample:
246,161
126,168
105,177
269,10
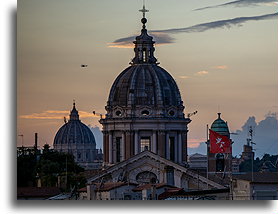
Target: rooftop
259,177
149,186
37,191
110,185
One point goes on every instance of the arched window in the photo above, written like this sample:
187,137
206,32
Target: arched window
146,177
144,55
220,162
145,112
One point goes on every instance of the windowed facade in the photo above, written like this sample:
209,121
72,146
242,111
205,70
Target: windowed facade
145,143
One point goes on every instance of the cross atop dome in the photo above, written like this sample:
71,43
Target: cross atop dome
144,11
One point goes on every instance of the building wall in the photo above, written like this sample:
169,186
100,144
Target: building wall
83,153
244,190
241,190
117,193
264,191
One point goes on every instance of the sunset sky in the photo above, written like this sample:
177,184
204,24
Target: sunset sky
222,56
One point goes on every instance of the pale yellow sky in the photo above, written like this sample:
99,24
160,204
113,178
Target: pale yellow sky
233,70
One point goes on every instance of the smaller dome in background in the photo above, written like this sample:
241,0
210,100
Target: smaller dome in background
76,138
220,126
74,131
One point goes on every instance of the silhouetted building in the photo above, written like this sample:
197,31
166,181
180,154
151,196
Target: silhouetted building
74,137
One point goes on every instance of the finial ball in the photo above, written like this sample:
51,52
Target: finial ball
144,20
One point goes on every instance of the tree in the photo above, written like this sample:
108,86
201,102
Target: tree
267,160
51,167
26,165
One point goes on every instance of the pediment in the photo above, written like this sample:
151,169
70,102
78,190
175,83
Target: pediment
148,161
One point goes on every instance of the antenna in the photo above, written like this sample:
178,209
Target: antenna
250,133
250,141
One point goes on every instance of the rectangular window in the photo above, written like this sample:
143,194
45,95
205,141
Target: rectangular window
118,149
172,148
145,143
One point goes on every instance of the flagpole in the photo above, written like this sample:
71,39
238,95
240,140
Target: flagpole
207,154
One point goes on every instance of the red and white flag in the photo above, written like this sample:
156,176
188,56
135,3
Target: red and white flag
219,143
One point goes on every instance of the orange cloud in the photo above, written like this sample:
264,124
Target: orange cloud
55,114
221,67
269,4
120,45
201,73
184,77
194,143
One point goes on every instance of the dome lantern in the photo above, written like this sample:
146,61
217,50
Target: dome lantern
74,113
144,44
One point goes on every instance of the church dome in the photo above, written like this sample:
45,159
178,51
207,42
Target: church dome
144,83
220,126
74,132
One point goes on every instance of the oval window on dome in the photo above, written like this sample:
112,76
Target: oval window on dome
145,113
171,113
118,113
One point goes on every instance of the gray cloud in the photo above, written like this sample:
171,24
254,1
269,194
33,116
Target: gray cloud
159,37
265,135
241,3
219,24
163,37
98,136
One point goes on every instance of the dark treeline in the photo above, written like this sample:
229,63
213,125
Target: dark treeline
267,163
51,168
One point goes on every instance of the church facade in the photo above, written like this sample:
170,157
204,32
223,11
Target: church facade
149,168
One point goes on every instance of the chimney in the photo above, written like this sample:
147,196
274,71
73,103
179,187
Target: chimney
36,142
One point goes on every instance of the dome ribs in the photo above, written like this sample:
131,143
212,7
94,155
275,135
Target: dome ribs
145,86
